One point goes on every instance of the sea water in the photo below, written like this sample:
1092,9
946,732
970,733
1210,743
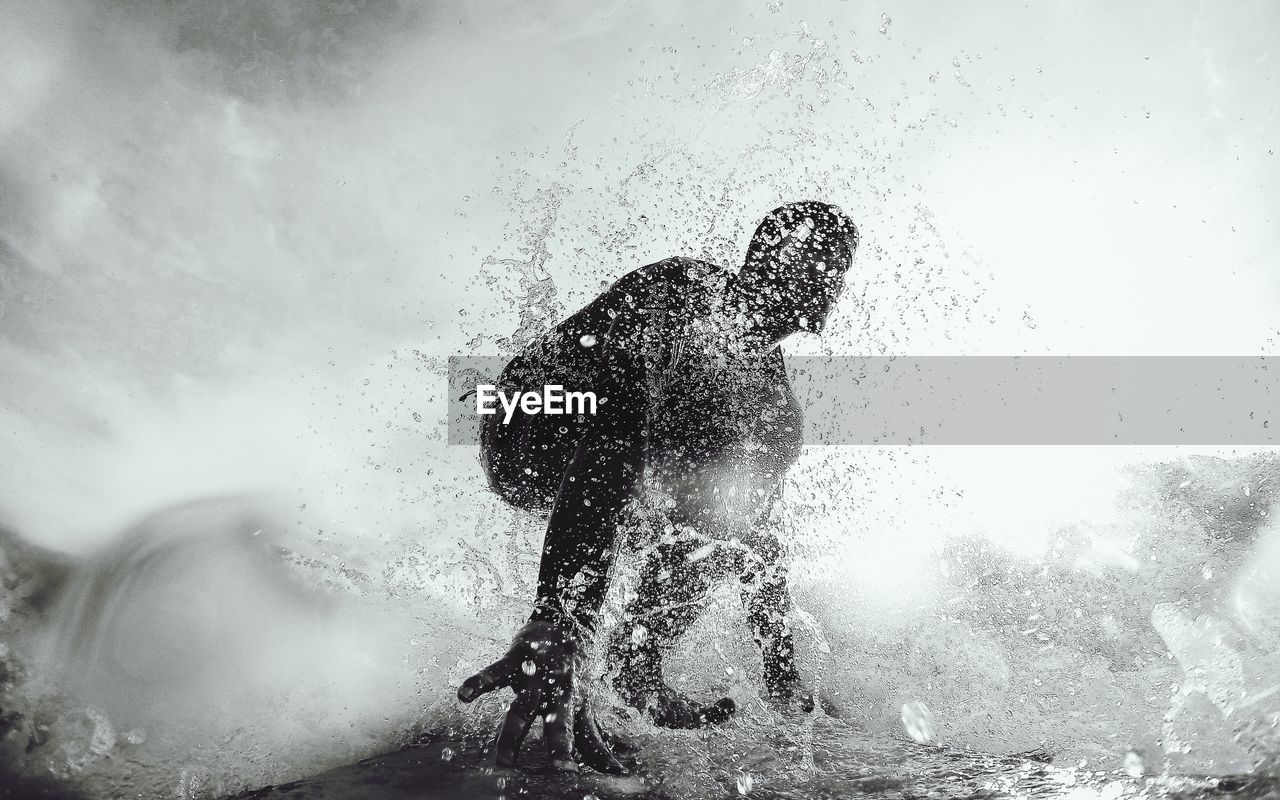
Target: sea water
196,653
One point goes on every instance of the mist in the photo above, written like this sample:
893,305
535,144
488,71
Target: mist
238,243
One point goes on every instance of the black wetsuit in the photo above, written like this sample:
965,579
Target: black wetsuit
693,434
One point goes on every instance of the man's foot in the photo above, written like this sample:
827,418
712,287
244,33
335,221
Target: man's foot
789,696
792,700
670,709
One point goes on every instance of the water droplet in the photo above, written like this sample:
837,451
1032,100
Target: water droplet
917,721
1133,764
701,552
528,667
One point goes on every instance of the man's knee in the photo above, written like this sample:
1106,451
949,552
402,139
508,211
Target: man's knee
525,458
510,468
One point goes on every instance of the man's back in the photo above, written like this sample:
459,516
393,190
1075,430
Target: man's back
525,459
712,413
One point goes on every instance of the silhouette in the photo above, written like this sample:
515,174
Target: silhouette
684,461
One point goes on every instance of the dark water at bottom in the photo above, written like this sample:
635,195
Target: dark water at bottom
837,761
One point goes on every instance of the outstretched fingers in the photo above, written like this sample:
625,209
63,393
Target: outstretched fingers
557,735
514,728
592,749
495,676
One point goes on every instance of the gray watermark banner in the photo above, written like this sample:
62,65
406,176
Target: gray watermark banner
996,400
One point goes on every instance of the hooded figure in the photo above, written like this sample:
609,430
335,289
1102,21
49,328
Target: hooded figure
683,461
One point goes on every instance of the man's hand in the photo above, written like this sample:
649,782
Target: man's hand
540,667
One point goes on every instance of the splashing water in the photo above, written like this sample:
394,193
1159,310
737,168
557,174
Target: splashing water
236,550
917,721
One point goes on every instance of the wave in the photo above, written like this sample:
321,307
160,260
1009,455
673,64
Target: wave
196,651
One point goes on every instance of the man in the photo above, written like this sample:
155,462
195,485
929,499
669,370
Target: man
695,428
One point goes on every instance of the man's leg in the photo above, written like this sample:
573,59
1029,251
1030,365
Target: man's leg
768,604
672,594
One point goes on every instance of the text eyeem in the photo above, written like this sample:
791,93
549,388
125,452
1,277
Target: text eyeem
553,399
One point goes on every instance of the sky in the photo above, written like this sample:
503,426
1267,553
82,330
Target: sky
236,239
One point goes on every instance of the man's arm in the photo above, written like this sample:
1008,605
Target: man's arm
581,539
579,549
582,532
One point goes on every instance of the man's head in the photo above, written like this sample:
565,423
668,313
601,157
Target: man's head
796,263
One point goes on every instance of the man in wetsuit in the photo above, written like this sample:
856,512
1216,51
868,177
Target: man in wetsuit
695,428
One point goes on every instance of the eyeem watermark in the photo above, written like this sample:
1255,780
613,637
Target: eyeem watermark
964,400
552,400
